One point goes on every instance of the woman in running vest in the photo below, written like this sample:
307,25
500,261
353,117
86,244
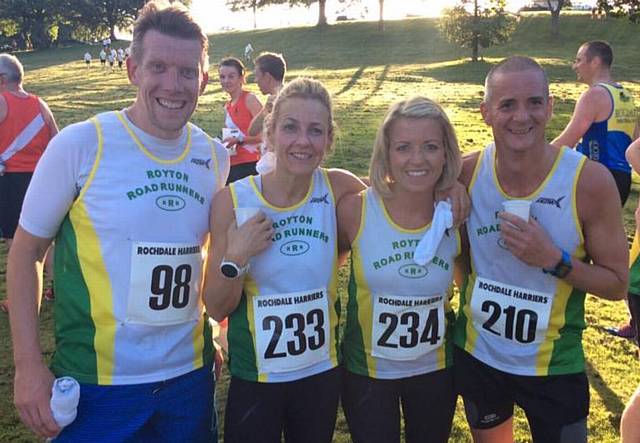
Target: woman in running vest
397,347
275,277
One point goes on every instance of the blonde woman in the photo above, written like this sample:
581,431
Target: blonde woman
275,277
397,347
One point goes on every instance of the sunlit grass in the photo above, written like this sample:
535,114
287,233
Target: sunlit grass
366,71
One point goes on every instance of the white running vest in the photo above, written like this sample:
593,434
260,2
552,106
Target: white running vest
285,327
129,261
514,317
396,324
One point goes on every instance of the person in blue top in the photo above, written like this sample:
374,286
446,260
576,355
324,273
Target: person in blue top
603,125
604,121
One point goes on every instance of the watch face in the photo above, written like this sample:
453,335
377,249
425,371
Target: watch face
229,270
562,270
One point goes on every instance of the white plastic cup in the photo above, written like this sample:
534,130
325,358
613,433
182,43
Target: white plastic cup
244,214
520,208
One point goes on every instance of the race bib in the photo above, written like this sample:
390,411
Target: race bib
516,314
165,283
292,330
406,328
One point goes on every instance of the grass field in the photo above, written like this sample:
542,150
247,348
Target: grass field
366,71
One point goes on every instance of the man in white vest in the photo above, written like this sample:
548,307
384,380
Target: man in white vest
127,196
519,330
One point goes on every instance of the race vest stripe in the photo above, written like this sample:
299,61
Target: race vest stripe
286,325
564,347
143,148
24,138
24,134
359,318
607,141
93,269
514,317
133,288
74,327
634,266
397,322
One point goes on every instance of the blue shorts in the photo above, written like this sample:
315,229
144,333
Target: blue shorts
176,410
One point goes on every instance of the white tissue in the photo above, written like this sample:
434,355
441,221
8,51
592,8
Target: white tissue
428,245
267,163
65,394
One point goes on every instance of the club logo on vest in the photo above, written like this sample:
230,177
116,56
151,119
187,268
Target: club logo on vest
294,247
170,203
551,201
324,199
412,270
201,162
502,244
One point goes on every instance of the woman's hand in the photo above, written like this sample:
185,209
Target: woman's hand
248,240
460,202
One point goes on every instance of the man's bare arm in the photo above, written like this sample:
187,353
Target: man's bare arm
600,216
591,105
48,118
33,381
258,121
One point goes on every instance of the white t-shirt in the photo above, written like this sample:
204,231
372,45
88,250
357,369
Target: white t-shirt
66,165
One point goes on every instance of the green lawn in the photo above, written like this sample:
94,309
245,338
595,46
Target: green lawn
366,71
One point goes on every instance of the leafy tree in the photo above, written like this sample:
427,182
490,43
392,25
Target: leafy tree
242,5
478,28
621,8
35,21
110,14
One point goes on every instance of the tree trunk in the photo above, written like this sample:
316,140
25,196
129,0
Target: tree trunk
112,32
555,23
475,50
381,19
555,17
476,38
322,15
255,23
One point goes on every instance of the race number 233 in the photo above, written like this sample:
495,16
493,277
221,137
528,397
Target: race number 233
292,330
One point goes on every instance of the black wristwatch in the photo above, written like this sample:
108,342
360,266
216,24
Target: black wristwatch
562,268
231,270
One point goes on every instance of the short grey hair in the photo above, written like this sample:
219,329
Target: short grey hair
11,66
516,63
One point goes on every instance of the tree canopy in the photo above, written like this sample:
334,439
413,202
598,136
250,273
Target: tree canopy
38,23
474,27
621,8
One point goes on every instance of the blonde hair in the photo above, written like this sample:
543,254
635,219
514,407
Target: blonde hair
306,88
413,108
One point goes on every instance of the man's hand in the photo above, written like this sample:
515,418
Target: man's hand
31,395
528,241
460,202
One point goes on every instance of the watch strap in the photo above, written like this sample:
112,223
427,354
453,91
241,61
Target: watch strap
562,268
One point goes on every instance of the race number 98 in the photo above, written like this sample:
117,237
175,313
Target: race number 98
170,287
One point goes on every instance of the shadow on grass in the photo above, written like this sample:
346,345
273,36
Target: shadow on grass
610,399
356,105
352,81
